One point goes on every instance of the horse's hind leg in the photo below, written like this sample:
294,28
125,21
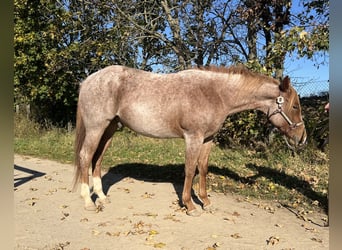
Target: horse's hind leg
87,151
97,160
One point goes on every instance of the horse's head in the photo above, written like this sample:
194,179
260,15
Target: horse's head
285,114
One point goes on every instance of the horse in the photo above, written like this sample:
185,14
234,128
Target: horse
191,104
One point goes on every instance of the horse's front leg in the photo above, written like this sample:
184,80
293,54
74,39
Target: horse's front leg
193,147
203,171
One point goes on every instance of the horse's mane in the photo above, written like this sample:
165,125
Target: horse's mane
239,69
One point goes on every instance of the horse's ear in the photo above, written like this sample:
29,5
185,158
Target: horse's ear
285,84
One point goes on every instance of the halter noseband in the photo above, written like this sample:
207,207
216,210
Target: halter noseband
280,100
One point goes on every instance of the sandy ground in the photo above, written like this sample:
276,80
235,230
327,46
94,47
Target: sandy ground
146,215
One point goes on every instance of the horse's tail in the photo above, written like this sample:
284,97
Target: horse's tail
79,140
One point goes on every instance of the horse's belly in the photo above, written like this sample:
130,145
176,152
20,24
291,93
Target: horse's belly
150,124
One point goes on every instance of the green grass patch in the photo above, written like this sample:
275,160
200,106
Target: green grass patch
299,180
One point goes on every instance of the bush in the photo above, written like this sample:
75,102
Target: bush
251,128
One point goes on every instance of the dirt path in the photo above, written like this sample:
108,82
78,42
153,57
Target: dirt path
146,215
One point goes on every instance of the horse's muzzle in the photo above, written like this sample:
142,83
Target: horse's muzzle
296,142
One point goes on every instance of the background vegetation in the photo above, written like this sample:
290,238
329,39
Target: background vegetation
297,180
58,43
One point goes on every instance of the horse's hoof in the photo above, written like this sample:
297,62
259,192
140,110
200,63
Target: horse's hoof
209,208
104,201
90,207
193,213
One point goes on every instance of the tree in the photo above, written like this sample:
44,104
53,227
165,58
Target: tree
58,43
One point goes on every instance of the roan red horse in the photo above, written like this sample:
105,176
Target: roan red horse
191,104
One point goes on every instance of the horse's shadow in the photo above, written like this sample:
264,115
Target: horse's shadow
31,174
171,173
174,173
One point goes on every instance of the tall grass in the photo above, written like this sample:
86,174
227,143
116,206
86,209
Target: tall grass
299,180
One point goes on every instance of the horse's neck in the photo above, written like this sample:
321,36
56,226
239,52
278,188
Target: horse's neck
260,98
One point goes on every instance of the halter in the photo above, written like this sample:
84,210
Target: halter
280,100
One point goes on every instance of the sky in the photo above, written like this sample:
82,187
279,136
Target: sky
309,78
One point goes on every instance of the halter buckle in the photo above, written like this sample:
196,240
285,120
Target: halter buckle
280,100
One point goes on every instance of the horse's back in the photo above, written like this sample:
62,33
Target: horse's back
157,105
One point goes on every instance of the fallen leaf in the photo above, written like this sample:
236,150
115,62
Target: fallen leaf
273,240
62,245
103,224
236,214
317,240
84,220
99,208
216,244
153,232
229,219
159,245
48,177
147,195
236,236
116,234
149,214
95,232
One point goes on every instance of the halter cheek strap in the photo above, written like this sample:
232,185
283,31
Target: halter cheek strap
280,100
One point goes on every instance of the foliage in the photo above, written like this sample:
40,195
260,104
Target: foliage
251,128
58,43
316,120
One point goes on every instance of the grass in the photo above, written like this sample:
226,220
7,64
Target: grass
297,180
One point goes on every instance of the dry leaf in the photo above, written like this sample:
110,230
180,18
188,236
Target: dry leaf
99,208
103,224
147,195
32,203
236,214
216,244
171,217
153,232
273,240
149,214
317,240
116,234
95,232
48,177
159,245
236,236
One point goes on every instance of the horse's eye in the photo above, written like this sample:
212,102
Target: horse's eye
295,107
